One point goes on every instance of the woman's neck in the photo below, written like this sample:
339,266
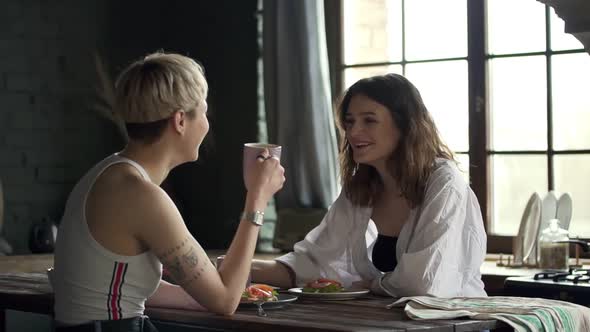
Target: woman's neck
390,184
151,158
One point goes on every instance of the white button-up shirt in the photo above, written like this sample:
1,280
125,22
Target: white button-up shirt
439,250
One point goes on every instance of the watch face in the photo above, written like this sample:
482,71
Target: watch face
256,217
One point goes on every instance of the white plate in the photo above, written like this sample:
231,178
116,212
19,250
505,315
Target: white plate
564,211
548,210
523,243
346,294
531,219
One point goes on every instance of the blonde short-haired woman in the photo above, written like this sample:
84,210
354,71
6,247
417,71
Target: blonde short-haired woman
119,227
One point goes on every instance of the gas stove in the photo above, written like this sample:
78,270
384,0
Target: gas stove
572,286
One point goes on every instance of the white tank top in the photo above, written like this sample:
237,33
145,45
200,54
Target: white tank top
91,282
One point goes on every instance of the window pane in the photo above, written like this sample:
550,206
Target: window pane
560,40
435,29
571,106
518,104
514,180
463,159
351,75
443,86
372,31
572,175
515,26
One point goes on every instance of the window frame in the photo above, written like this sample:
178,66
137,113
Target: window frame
479,152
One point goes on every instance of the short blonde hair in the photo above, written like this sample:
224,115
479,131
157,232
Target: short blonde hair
158,85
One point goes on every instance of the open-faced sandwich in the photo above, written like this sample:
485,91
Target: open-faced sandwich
323,285
259,292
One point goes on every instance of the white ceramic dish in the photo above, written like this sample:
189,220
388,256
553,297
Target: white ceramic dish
564,211
346,294
530,225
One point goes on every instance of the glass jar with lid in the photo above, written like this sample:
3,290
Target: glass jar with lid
552,255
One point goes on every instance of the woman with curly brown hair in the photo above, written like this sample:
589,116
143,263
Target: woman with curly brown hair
406,223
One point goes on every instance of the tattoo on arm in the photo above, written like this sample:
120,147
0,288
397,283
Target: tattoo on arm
190,258
182,261
164,255
176,269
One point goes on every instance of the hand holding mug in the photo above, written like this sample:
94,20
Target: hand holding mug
263,173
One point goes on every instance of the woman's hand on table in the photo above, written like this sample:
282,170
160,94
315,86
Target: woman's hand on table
361,284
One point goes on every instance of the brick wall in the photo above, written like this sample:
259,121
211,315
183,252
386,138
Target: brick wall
370,27
48,134
368,37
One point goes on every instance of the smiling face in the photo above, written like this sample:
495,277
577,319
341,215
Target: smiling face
371,131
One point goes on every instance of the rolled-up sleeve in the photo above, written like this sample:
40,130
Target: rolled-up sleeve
324,246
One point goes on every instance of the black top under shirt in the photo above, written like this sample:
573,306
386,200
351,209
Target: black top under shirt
384,257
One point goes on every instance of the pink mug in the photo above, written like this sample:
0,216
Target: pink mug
253,150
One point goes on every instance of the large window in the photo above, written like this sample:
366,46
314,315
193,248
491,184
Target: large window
505,85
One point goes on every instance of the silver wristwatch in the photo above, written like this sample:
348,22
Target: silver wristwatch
256,217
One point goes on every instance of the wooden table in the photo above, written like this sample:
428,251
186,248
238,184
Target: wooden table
493,276
30,292
364,314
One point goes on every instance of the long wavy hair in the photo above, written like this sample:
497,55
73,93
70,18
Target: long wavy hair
413,160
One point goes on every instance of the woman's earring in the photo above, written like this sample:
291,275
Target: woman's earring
355,169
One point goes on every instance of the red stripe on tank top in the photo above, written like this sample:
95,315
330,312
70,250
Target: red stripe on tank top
115,291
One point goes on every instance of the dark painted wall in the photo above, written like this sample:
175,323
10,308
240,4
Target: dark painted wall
49,136
222,35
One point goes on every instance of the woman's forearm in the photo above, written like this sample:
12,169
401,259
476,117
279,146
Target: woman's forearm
172,296
272,273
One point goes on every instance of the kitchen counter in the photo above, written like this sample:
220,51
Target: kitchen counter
26,263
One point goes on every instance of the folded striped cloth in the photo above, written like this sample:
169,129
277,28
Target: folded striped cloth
523,314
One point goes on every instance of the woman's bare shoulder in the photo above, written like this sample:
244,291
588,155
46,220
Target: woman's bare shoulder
119,205
125,195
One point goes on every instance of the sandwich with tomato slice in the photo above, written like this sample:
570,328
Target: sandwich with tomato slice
323,285
259,292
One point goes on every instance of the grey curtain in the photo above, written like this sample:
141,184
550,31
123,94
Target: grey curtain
298,101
